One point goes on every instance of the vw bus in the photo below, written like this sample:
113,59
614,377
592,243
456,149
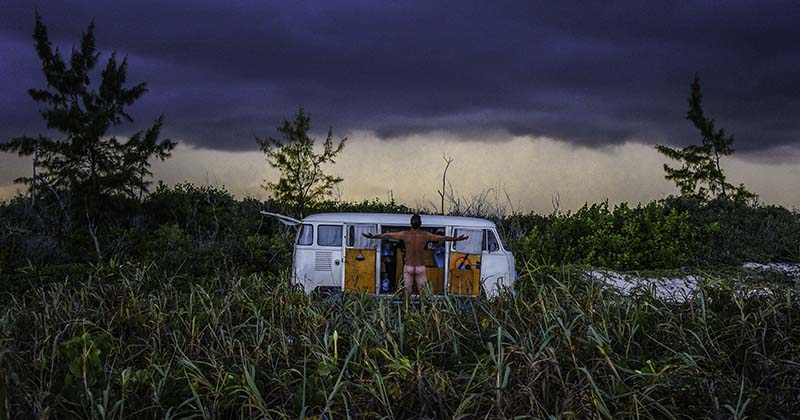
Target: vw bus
332,255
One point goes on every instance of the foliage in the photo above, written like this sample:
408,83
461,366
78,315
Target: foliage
303,183
84,161
221,233
701,173
671,233
365,206
84,355
736,232
168,246
251,347
620,238
202,230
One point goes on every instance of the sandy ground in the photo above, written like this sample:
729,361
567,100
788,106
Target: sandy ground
682,288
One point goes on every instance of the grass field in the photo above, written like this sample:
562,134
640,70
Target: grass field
130,342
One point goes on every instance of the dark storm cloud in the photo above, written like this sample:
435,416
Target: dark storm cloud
589,73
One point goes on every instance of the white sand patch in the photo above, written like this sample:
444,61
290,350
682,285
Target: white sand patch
791,270
679,289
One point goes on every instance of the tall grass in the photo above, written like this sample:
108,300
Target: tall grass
138,345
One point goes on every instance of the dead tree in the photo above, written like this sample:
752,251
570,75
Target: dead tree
448,161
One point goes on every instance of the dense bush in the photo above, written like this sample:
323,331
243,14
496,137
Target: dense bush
172,324
740,232
201,230
670,233
196,230
620,238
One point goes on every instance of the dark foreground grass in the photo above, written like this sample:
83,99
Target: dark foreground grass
136,345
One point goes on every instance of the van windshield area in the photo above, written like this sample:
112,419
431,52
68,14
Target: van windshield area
490,241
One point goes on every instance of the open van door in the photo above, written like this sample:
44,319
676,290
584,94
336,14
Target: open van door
477,262
286,220
360,260
464,270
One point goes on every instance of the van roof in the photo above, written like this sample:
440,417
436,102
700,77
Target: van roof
398,219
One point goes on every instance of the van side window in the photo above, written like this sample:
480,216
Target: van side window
329,235
351,236
472,245
355,236
490,241
306,235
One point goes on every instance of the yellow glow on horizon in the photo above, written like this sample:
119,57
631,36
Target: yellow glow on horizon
531,170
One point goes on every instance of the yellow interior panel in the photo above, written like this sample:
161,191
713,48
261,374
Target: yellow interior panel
435,279
359,276
464,281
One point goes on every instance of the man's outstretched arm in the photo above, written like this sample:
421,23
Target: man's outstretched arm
391,235
435,237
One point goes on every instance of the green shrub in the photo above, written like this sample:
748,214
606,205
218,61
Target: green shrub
670,233
267,253
85,357
650,236
167,246
738,232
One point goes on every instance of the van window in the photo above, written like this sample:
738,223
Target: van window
329,235
356,239
306,235
490,241
472,245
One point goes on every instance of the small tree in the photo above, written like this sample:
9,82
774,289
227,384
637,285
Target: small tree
701,173
303,183
84,160
85,163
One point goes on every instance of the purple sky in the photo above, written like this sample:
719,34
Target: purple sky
541,100
588,73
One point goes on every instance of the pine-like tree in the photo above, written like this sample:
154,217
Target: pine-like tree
303,183
701,174
86,169
86,162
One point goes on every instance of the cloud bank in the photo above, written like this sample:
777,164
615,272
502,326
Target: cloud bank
588,74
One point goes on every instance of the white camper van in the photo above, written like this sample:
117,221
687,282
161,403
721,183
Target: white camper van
331,254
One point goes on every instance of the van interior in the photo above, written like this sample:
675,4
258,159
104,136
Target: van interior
464,265
392,257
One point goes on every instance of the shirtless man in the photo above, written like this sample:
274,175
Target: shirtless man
414,240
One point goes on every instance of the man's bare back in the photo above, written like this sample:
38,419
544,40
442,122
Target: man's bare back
415,240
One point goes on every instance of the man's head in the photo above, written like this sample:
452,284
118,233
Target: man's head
416,221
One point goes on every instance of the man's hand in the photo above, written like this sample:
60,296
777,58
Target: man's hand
462,237
368,235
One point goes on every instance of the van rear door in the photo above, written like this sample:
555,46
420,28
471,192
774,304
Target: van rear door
286,220
360,260
464,270
477,262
